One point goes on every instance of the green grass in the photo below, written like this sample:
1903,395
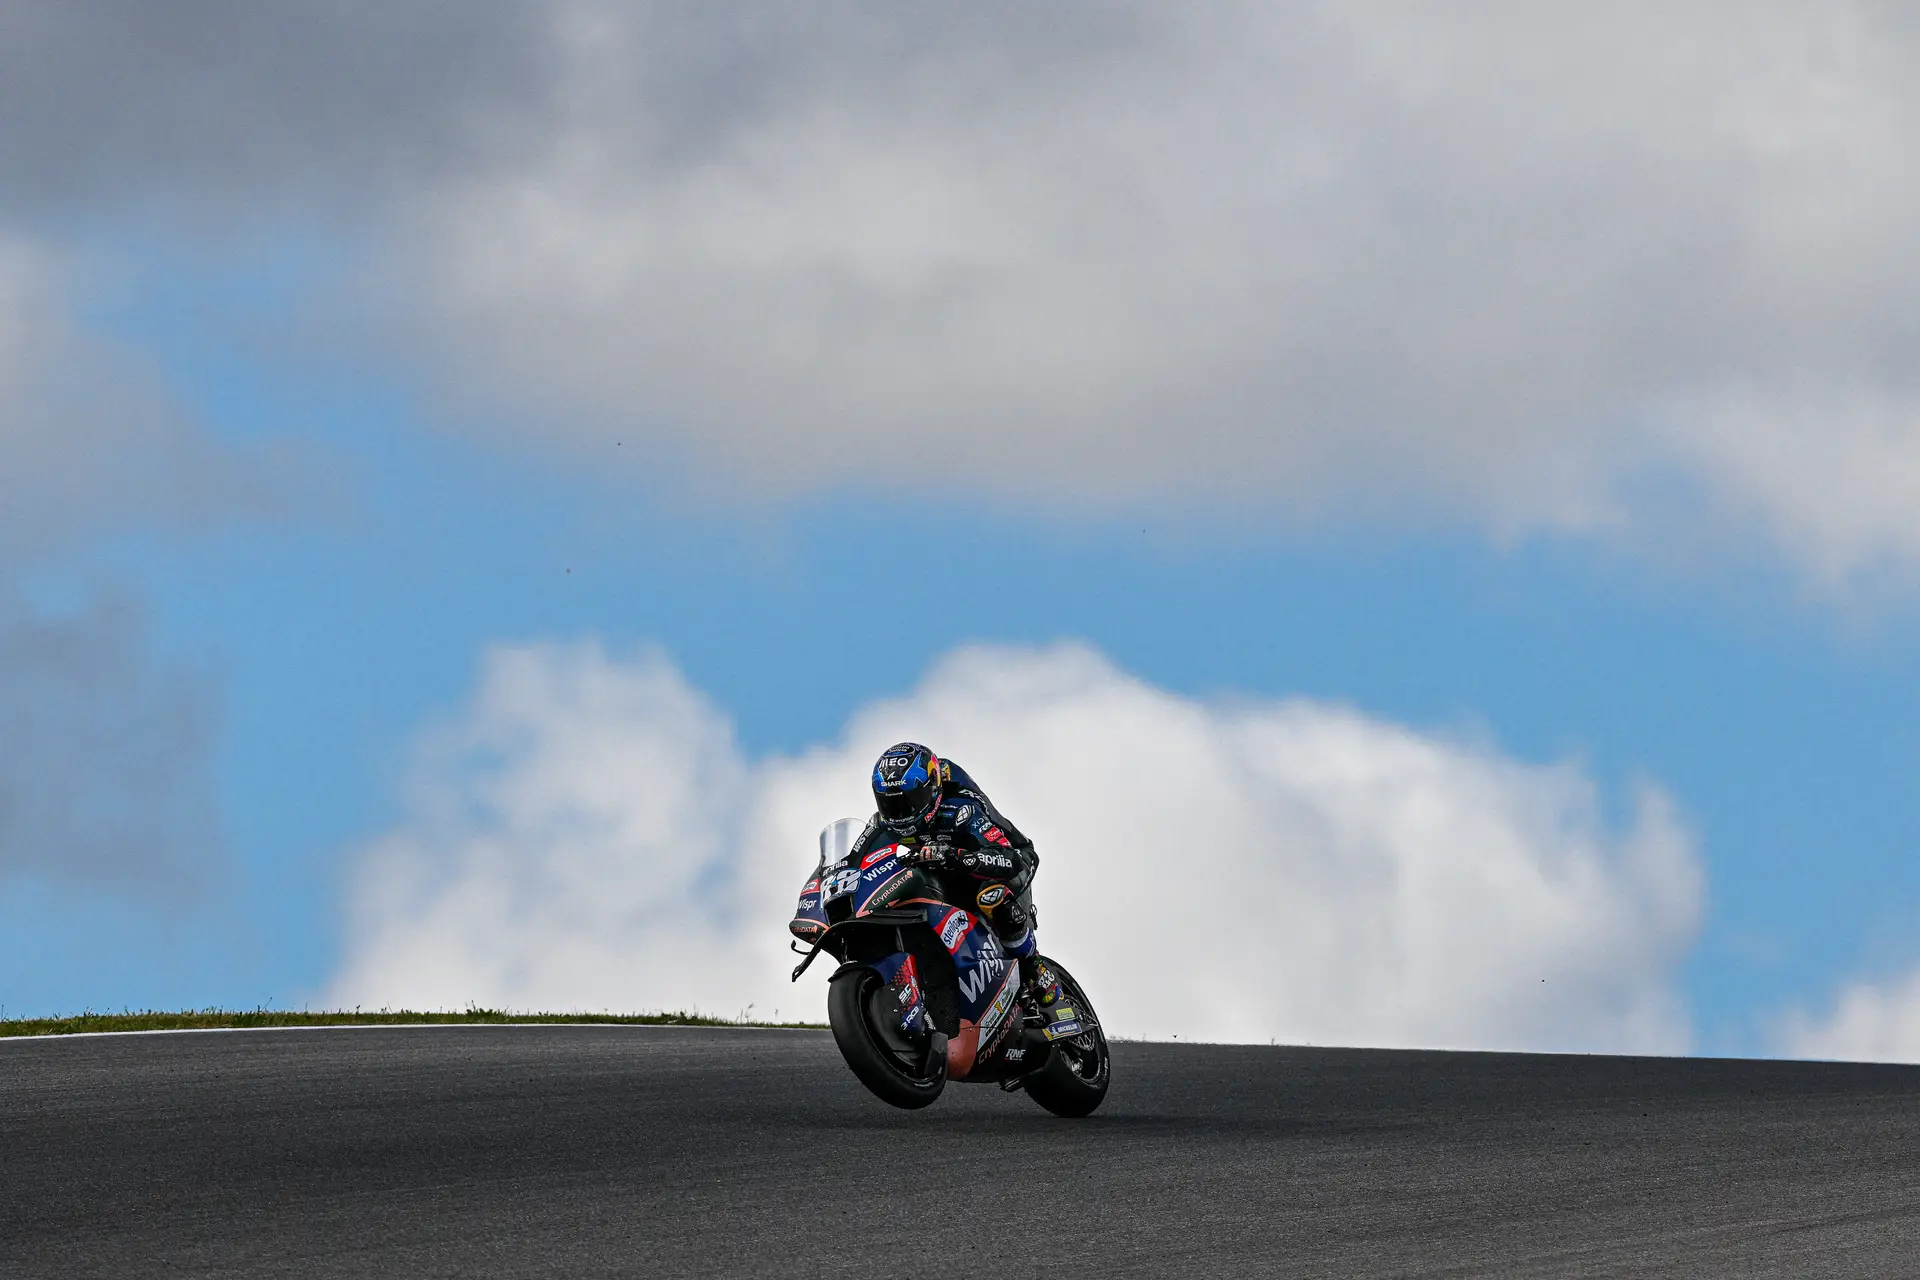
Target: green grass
217,1019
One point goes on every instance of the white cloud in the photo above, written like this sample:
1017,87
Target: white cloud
1494,263
1833,473
574,841
1869,1022
1491,262
588,835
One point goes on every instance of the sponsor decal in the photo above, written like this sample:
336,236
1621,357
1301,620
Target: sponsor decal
1017,1054
998,836
878,896
990,896
995,1018
808,904
805,928
810,885
907,992
964,812
991,965
877,854
1061,1030
952,929
987,858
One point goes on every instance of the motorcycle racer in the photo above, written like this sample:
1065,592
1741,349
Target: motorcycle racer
934,808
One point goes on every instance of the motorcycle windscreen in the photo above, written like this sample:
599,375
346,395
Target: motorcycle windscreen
836,844
837,839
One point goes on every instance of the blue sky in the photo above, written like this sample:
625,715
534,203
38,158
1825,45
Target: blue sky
1781,726
1740,640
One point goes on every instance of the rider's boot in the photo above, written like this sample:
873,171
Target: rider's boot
1040,992
1043,996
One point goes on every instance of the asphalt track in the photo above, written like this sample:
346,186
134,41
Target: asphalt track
586,1151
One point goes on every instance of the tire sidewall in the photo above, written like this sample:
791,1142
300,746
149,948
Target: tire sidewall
1059,1088
847,1014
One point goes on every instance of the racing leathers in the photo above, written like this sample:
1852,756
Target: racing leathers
975,853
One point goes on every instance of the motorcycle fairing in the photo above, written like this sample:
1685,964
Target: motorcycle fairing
881,880
809,917
986,978
985,982
840,890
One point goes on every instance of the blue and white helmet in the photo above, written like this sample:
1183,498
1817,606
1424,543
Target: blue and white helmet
906,786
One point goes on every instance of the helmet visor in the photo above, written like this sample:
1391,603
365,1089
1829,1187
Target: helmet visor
900,807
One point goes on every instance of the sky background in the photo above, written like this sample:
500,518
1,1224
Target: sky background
478,484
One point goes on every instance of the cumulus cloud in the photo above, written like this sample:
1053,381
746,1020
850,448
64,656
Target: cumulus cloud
1487,263
1868,1022
588,835
574,840
106,758
1360,257
223,109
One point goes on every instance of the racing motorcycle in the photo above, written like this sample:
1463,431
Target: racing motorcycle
926,992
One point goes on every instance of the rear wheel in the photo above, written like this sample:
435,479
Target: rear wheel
1076,1076
906,1071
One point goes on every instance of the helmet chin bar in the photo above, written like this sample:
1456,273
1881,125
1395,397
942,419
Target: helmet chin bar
916,820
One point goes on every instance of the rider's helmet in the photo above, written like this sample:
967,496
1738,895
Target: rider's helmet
906,786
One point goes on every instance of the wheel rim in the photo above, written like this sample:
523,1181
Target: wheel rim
1084,1054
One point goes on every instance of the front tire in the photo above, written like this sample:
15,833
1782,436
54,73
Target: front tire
895,1069
1076,1076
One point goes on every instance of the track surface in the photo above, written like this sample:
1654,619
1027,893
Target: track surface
622,1151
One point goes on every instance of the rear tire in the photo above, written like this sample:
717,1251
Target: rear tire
885,1064
1076,1076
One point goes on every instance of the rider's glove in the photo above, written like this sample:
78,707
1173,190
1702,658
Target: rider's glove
932,852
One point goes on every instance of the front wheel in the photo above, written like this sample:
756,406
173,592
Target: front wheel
904,1072
1076,1076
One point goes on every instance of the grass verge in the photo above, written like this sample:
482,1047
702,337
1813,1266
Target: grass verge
224,1019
